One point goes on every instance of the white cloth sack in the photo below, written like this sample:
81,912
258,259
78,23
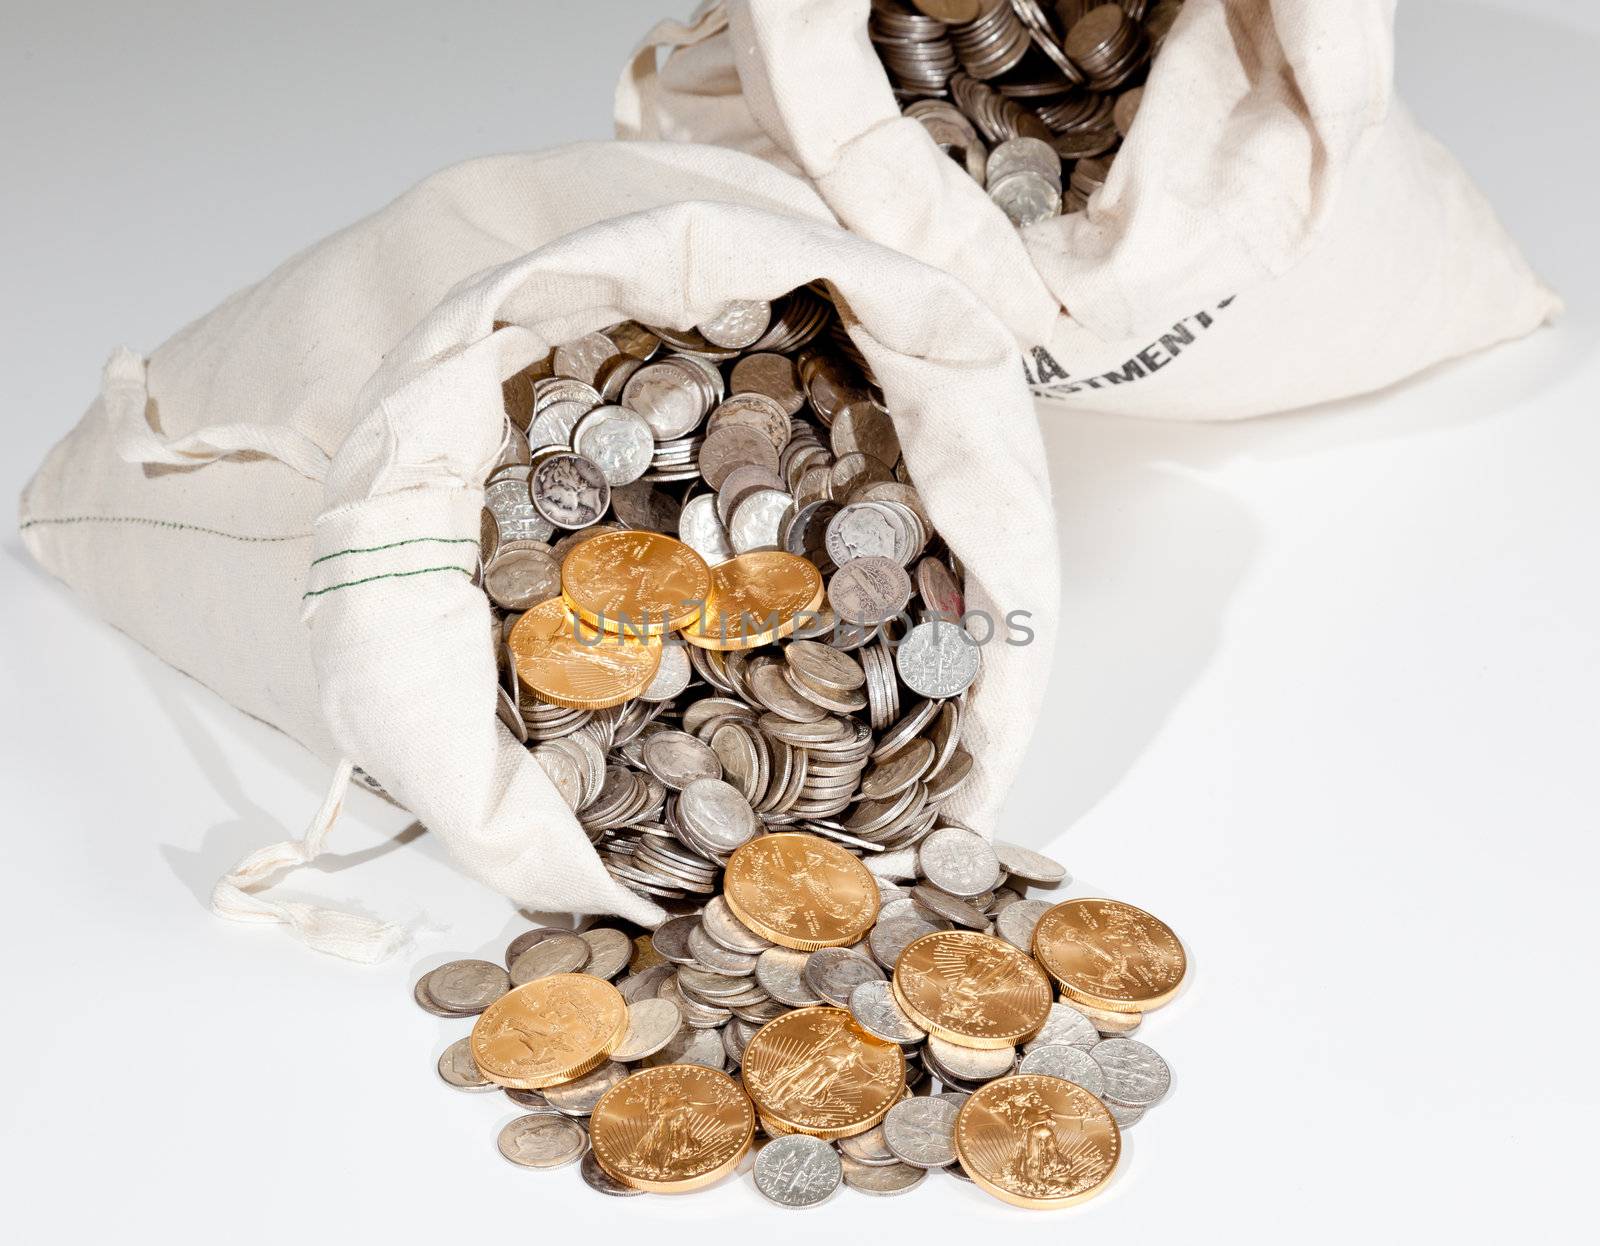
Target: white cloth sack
1277,231
284,502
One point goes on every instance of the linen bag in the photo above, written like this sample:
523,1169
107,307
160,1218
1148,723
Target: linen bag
284,501
1277,230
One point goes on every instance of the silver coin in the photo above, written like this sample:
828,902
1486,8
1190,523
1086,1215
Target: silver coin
1111,1024
424,1001
617,441
691,1046
672,676
597,1178
678,759
758,520
609,951
970,1064
702,530
577,1098
1135,1075
781,974
527,939
558,954
671,939
797,1171
938,659
533,1100
862,530
921,1130
892,935
1065,1024
1069,1063
645,983
872,1005
1123,1114
457,1067
880,1178
958,861
520,579
666,395
951,908
515,516
718,813
723,927
738,325
869,591
542,1140
1016,922
833,972
569,491
1028,865
709,954
868,1148
467,986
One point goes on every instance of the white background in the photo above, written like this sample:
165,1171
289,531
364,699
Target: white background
1326,700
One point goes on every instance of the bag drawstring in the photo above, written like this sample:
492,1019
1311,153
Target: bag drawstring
347,935
127,402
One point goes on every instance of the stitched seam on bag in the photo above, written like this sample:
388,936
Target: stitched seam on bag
387,575
415,540
172,524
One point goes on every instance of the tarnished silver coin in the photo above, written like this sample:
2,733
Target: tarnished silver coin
569,491
872,1005
921,1130
557,954
1072,1064
543,1140
1065,1024
533,1100
652,1024
880,1178
958,861
833,972
457,1067
969,1064
645,983
424,1001
781,973
797,1171
577,1098
1135,1075
938,659
1015,923
609,951
1028,865
467,986
597,1178
722,926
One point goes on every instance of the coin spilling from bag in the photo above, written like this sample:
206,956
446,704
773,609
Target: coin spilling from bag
730,635
1032,100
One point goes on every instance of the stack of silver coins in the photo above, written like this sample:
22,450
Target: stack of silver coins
1070,75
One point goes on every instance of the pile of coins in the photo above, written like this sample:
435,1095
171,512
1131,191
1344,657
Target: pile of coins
851,1030
1022,95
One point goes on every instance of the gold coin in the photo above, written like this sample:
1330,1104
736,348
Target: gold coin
672,1128
636,582
756,598
1110,954
800,891
644,955
971,989
815,1071
551,1031
562,660
1037,1141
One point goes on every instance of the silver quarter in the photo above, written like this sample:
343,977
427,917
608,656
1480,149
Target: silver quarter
968,1063
1028,865
1067,1025
652,1024
880,1178
781,973
1015,923
609,951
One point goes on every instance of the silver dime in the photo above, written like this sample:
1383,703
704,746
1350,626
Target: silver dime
1015,923
645,983
617,441
757,521
1065,1024
797,1171
668,397
869,591
718,813
702,530
672,676
921,1130
577,1098
1028,865
741,323
671,939
678,759
872,1005
467,986
520,579
1072,1064
710,954
892,935
1123,1114
958,861
691,1046
515,517
652,1024
880,1178
970,1064
569,491
457,1067
557,954
951,908
424,1001
723,927
868,1148
833,972
1135,1075
781,973
542,1140
582,358
533,1100
597,1178
609,951
938,659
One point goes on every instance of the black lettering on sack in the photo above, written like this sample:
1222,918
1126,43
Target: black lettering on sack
1042,369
